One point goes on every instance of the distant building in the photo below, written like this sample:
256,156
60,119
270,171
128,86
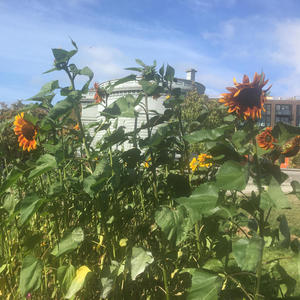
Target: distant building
283,110
92,114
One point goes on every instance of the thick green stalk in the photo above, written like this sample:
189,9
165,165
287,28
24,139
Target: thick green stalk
166,286
260,227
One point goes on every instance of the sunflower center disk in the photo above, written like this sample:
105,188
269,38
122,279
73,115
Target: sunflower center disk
28,131
250,97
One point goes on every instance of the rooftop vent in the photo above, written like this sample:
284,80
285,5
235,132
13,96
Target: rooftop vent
190,74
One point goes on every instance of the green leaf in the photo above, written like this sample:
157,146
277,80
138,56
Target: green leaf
28,206
118,136
134,69
78,281
274,197
61,107
62,56
201,202
87,72
69,242
284,230
284,132
45,163
140,259
122,107
206,134
148,87
138,61
247,252
232,176
51,70
162,70
205,285
65,275
74,44
10,202
174,223
12,177
124,80
170,72
31,275
46,89
107,287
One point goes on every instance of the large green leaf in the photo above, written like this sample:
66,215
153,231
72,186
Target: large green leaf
69,242
78,282
201,202
205,285
148,87
247,252
203,135
274,197
284,132
62,56
28,206
65,275
87,72
170,72
61,108
124,80
122,107
118,136
232,176
12,177
45,163
174,223
31,275
140,259
46,89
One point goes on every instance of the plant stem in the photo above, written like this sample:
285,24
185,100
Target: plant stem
260,228
197,232
166,283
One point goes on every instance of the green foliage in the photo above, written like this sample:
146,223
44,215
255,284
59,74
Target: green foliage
128,218
140,259
30,276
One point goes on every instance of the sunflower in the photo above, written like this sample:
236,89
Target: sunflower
292,148
202,158
201,161
76,127
26,132
147,163
194,164
97,97
265,140
247,98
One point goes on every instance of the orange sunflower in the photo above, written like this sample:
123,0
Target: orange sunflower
247,98
292,148
97,97
265,140
26,132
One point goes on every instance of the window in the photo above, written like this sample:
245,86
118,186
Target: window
265,120
283,113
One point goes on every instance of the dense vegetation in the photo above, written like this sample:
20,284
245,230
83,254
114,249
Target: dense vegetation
156,221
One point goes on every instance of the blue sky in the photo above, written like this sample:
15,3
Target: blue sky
222,39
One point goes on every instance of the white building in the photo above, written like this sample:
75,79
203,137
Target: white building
92,114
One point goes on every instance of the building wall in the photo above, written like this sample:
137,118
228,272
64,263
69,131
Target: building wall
286,111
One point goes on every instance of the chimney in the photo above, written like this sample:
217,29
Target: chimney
190,74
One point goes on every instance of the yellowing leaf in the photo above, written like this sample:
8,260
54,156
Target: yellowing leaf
123,242
78,281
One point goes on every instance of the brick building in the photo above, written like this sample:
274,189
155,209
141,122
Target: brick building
283,110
